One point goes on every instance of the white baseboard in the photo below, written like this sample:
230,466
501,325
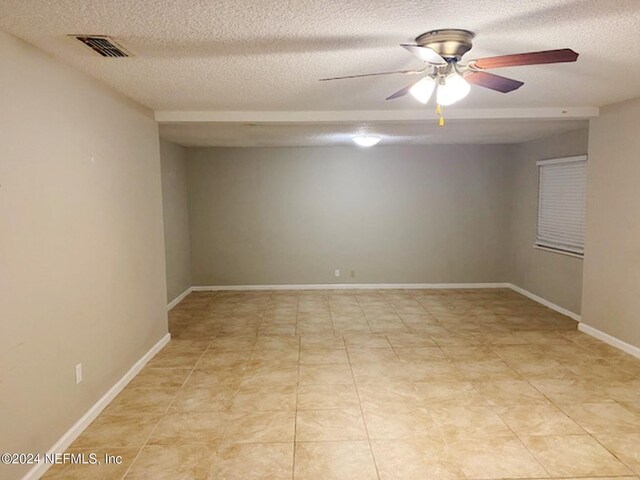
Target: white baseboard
545,302
349,286
179,298
613,341
68,438
583,327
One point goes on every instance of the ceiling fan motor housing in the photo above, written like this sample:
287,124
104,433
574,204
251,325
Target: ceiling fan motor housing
451,44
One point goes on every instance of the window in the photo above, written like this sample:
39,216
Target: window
562,198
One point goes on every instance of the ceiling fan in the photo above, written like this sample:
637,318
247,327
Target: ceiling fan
442,51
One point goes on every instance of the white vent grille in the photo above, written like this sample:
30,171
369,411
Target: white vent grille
102,45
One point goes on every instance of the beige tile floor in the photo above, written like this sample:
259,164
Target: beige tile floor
393,384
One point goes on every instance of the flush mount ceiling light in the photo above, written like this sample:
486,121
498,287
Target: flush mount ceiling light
366,140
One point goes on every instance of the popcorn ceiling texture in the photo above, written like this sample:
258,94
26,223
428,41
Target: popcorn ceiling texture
268,54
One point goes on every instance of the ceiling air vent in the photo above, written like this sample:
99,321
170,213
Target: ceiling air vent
103,45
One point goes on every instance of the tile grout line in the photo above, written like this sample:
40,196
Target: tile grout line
364,422
471,381
365,315
146,441
295,413
371,329
333,327
523,444
555,405
435,341
386,335
587,433
614,454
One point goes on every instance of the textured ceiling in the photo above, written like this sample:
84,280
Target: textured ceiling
268,54
276,135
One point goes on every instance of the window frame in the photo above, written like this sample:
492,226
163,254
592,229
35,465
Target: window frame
542,245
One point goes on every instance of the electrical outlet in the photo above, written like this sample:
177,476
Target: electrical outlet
353,274
337,273
78,373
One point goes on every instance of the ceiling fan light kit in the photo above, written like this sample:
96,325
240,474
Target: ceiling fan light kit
422,89
442,52
452,88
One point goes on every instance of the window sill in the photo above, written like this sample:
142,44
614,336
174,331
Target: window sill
560,252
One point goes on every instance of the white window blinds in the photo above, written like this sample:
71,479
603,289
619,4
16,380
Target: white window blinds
562,201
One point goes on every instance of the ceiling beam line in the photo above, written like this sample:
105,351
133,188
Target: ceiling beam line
275,116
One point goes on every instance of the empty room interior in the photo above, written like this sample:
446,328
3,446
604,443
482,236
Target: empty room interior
319,240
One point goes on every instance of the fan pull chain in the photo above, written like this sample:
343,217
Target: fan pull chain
439,112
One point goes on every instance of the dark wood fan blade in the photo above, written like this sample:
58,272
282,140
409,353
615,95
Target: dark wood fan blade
494,82
425,53
403,72
531,58
402,92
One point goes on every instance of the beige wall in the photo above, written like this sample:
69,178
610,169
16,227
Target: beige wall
81,249
176,218
432,214
611,300
552,276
